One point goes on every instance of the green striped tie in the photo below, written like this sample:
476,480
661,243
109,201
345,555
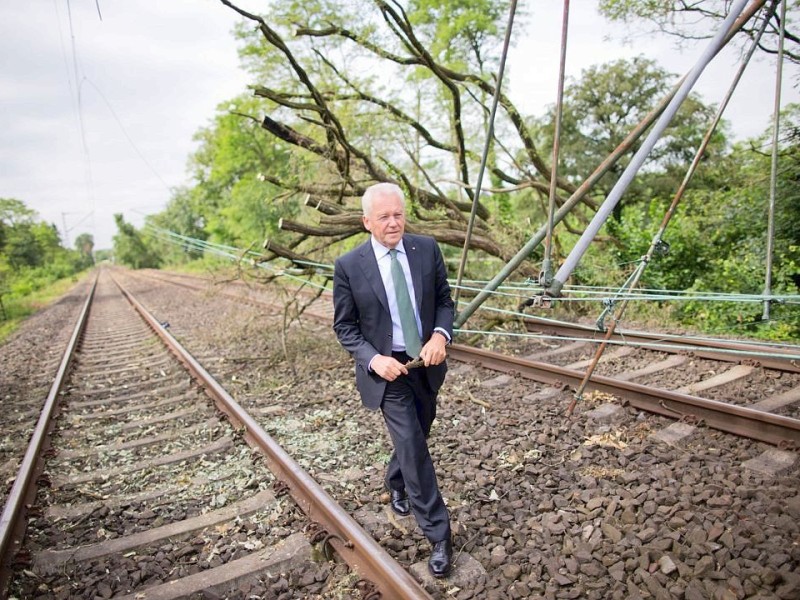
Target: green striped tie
406,309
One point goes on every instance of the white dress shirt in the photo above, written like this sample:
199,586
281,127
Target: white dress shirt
384,265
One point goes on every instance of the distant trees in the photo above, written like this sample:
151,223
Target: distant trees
24,240
129,247
602,107
84,244
31,254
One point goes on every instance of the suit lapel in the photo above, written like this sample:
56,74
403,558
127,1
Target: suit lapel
415,264
372,274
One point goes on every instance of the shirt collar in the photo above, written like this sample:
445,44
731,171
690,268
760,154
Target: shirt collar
380,250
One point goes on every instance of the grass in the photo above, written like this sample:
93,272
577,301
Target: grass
18,308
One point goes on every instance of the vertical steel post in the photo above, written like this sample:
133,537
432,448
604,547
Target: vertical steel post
489,134
773,178
547,270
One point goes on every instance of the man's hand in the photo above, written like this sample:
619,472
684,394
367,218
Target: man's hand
387,367
434,352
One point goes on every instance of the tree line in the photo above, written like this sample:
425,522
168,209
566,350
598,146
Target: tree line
32,254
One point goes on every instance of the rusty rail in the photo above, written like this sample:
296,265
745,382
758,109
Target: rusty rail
764,355
739,420
12,521
348,538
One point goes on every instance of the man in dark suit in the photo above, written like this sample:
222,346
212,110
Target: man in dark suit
384,327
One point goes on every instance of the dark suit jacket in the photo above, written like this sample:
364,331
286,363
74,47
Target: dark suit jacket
362,321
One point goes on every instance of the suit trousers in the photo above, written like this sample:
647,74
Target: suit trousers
409,408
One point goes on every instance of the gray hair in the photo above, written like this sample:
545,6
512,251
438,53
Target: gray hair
380,189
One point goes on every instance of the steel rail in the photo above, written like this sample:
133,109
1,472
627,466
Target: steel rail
739,420
778,363
12,522
346,536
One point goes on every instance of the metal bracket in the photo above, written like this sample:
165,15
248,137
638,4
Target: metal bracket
280,488
546,274
540,301
609,304
691,419
545,301
368,590
319,534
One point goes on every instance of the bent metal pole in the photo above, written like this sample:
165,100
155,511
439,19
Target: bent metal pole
638,159
634,279
463,315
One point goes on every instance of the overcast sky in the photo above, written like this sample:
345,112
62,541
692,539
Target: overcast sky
150,73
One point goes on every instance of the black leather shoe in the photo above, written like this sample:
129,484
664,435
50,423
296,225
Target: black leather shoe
398,499
441,560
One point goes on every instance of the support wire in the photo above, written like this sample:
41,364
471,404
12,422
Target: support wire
657,241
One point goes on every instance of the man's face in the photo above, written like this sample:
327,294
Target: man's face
386,220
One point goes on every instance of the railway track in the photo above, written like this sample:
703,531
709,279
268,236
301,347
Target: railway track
145,490
611,503
779,357
747,388
769,411
736,398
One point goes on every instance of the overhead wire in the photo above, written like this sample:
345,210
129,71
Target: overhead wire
259,260
602,294
87,161
79,81
233,253
86,216
581,293
125,132
250,256
72,96
770,349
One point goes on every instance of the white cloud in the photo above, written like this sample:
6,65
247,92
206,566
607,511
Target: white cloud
151,72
